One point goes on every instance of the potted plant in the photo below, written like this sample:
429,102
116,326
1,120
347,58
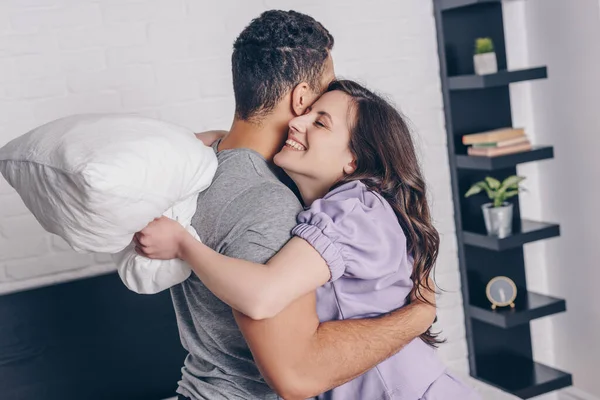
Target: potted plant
485,57
497,214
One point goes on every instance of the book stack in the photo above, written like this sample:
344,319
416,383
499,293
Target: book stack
498,142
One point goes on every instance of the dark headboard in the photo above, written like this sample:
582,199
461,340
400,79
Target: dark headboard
86,340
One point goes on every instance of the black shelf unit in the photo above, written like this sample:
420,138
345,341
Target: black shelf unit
520,376
499,341
529,306
529,231
537,153
501,78
452,4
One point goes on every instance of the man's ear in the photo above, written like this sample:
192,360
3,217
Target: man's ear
300,98
350,167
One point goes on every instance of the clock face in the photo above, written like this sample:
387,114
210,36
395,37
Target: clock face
501,291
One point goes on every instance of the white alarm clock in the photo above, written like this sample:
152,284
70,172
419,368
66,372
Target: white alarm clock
501,291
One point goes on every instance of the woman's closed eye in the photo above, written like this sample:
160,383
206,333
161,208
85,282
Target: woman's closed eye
320,124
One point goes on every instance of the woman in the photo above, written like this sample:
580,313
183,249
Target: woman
365,242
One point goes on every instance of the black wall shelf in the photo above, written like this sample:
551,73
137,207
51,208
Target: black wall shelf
530,231
502,78
446,5
499,342
521,376
529,306
537,153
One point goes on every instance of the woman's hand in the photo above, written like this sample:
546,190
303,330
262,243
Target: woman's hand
161,239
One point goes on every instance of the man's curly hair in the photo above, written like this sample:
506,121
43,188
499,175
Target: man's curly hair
277,51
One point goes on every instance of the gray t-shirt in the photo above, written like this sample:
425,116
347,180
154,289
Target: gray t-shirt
246,213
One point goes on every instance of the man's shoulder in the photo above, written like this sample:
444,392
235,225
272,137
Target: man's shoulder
249,183
243,162
245,195
265,198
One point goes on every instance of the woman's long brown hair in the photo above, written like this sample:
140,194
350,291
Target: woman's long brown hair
386,162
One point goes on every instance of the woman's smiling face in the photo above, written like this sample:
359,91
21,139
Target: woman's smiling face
318,142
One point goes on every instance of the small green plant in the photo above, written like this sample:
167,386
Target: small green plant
497,191
484,45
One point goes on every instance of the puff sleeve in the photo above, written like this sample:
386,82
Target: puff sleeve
356,232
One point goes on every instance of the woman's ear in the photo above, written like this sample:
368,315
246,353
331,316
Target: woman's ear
350,167
300,98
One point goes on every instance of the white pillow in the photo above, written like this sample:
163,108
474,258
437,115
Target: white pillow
143,275
95,180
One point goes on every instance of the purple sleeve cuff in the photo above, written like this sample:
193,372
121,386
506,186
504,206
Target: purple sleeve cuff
324,246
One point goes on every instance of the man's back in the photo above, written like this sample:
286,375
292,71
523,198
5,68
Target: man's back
246,213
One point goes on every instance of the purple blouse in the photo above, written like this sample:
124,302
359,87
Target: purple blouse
358,234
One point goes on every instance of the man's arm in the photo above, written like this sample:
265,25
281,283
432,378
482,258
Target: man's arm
298,356
301,358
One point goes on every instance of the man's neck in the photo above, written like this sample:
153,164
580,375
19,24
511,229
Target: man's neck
265,138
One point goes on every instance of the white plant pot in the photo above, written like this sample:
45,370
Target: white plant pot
485,64
498,220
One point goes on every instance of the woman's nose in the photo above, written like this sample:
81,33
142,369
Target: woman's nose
298,125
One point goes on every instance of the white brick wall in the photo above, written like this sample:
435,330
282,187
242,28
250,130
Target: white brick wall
170,59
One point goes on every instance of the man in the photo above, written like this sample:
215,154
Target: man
281,64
